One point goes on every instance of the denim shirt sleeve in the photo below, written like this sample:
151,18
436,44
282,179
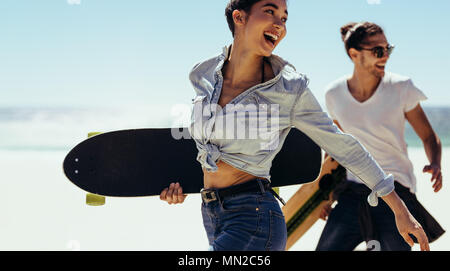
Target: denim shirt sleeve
308,117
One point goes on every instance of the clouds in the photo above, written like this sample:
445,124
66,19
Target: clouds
73,2
373,2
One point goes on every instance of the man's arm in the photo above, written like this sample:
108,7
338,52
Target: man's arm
431,143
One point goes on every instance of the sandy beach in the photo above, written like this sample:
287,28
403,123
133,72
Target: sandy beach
42,210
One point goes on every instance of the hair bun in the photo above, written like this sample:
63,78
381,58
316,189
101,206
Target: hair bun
345,29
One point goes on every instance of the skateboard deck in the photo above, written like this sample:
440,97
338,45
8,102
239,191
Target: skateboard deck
304,207
142,162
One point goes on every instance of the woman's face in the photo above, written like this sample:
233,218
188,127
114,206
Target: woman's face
265,26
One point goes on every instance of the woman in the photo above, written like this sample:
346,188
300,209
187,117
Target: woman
239,210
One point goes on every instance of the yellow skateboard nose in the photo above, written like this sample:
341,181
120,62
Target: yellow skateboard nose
95,200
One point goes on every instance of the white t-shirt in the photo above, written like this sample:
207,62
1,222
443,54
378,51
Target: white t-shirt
379,122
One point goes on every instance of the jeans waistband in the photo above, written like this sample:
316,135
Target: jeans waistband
256,185
252,186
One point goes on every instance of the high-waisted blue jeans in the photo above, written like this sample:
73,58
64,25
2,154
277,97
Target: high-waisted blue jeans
249,221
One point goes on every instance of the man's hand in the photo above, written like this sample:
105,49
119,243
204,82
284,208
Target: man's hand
173,194
326,210
436,176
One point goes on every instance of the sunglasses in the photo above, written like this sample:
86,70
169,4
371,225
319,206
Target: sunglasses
379,51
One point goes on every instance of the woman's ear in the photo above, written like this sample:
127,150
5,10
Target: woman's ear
239,17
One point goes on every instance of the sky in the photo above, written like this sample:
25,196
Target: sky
97,53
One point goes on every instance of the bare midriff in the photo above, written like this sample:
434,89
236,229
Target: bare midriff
225,176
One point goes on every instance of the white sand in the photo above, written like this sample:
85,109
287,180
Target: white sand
41,210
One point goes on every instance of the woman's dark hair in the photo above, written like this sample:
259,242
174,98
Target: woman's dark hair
245,5
355,34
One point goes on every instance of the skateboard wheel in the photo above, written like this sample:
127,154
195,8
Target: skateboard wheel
95,200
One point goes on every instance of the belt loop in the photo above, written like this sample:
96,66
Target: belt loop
277,196
219,198
261,186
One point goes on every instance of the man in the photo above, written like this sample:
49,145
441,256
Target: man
373,105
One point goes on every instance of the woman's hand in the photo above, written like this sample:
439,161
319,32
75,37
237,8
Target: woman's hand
406,223
173,194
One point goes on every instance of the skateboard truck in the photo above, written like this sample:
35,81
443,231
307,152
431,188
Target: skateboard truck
93,199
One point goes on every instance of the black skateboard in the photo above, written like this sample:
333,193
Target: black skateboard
142,162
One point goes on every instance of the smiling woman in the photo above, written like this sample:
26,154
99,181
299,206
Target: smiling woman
244,6
239,208
238,12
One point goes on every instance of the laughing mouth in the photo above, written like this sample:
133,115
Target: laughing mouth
270,37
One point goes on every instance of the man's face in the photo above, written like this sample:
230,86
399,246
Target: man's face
367,59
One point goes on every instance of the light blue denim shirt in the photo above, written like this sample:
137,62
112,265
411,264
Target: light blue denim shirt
250,130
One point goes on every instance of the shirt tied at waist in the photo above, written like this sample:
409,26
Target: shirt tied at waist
208,155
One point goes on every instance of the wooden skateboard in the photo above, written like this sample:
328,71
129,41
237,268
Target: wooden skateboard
304,207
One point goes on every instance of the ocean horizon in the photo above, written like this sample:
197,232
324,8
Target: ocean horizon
47,129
